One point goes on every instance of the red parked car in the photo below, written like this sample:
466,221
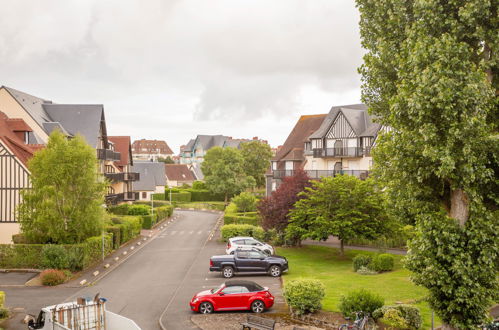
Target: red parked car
233,295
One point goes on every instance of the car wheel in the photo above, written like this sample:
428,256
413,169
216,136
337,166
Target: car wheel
227,272
275,271
232,252
257,306
206,308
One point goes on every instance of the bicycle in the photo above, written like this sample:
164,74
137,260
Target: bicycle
361,323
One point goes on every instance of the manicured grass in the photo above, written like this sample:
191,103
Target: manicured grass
336,273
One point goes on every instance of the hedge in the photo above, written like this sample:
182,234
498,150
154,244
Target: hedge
233,230
159,197
116,232
148,221
2,298
241,220
204,195
164,212
31,255
155,203
129,226
183,196
304,295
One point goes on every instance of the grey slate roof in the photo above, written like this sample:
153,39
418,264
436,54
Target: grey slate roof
209,141
189,145
32,104
84,119
152,174
197,172
234,143
50,126
356,115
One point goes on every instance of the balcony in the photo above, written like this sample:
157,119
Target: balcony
107,154
128,196
317,174
339,152
124,176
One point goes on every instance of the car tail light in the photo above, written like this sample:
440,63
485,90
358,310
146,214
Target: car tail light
228,245
211,263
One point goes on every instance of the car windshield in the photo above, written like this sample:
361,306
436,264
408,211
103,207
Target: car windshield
216,289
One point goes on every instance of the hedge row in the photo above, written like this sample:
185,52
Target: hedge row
183,196
241,219
30,255
160,213
124,228
229,231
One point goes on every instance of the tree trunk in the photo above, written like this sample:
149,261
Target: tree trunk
459,206
342,248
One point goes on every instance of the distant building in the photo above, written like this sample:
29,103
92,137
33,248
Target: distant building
151,150
152,179
178,175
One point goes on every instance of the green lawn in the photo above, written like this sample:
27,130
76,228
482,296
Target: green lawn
325,264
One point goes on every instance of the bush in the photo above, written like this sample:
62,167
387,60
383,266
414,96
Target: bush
129,226
19,239
75,258
116,232
229,231
393,318
147,221
245,202
183,196
51,277
304,296
363,270
159,197
409,313
2,298
4,313
55,256
361,260
199,185
139,210
164,212
204,195
92,249
360,300
382,263
121,209
241,220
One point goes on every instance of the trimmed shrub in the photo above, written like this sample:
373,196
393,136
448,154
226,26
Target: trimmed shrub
52,277
304,296
75,258
241,220
199,185
138,210
394,319
121,209
360,300
363,270
231,209
164,212
229,231
183,196
55,256
147,221
2,298
361,260
159,197
19,239
409,313
116,232
4,313
382,263
92,249
245,202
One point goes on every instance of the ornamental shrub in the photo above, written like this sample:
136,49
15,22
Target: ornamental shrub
139,210
51,277
393,318
382,263
4,313
19,239
245,202
304,296
232,230
159,197
409,313
121,209
147,222
183,196
360,300
241,220
361,260
363,270
55,256
199,185
2,298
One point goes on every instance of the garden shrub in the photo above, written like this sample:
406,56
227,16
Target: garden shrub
204,195
229,231
363,270
360,300
2,298
19,239
199,185
160,196
394,319
92,249
55,256
138,210
51,277
4,313
164,212
241,219
121,209
147,221
231,209
361,260
245,202
183,196
116,232
304,296
409,313
75,258
382,263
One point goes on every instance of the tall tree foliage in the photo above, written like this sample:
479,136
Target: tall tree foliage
343,206
431,75
223,170
274,209
257,157
65,202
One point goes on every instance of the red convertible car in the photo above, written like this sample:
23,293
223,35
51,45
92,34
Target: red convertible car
233,295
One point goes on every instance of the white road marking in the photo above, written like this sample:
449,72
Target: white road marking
181,232
174,232
199,232
191,232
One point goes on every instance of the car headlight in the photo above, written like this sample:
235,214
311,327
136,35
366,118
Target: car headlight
195,300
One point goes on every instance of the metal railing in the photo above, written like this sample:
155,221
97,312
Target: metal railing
123,176
338,152
316,174
128,196
107,154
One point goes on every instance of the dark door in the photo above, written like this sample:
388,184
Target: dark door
258,263
338,167
243,262
230,298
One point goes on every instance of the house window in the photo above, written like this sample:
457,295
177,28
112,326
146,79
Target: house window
144,195
274,166
289,166
274,186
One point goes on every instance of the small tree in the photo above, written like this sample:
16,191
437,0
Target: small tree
257,157
224,172
275,208
245,202
343,206
65,202
167,160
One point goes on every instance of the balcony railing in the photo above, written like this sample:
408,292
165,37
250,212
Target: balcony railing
124,176
128,196
338,152
107,154
317,174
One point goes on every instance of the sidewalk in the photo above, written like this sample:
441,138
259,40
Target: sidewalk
334,242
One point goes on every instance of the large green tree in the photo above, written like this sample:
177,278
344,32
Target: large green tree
257,157
430,74
65,202
343,206
223,170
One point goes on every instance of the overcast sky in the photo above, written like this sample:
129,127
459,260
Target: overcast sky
173,69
